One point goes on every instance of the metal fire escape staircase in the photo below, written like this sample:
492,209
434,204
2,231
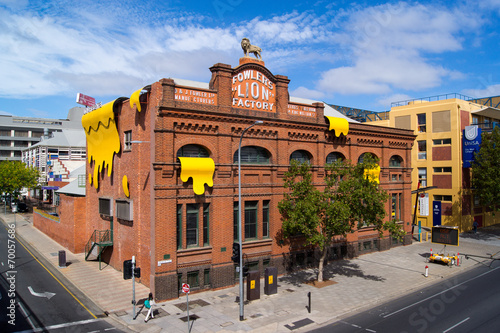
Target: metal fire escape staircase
98,242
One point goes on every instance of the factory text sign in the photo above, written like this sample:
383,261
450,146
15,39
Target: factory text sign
301,110
194,96
253,90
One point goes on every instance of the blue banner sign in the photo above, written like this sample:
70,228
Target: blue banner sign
471,143
436,213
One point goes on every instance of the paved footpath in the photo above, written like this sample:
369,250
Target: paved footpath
359,284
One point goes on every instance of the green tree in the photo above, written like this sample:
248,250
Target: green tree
15,175
486,169
348,200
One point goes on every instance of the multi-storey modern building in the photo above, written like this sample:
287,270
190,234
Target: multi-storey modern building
19,133
163,180
438,157
56,157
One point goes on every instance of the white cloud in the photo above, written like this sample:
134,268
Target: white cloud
387,100
104,49
389,47
492,90
304,92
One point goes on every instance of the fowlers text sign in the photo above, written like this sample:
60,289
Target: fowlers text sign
252,90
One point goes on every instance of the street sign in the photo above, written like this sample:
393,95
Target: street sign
185,288
85,100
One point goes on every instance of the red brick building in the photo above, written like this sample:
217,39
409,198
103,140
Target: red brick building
178,219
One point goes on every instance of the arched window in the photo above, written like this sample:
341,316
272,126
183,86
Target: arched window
192,151
300,156
361,157
395,162
333,157
253,155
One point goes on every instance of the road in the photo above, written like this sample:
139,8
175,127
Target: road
37,297
469,302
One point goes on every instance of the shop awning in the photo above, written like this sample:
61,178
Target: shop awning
50,187
488,112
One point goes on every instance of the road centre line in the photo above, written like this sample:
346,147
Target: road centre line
460,323
442,292
54,327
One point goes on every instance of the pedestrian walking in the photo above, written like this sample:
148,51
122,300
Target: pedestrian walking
475,225
149,305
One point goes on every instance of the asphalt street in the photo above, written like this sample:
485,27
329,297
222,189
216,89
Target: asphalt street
468,302
36,297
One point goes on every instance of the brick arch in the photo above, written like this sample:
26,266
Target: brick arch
401,159
255,143
196,141
304,147
311,156
370,152
330,151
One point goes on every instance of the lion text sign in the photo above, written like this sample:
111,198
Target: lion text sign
194,96
252,90
301,110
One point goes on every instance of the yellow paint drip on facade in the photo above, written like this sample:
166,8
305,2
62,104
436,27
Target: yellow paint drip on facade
103,140
373,174
340,125
125,186
200,169
134,99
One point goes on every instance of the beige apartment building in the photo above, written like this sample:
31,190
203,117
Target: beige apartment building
437,156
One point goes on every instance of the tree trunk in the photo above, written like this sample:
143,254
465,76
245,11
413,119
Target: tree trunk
321,264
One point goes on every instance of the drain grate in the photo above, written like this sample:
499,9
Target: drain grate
191,317
192,304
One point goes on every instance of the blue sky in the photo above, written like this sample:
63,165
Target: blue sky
363,54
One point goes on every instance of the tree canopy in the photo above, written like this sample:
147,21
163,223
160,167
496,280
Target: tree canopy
349,198
486,169
15,175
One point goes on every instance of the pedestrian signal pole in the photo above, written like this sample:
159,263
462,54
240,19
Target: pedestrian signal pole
133,285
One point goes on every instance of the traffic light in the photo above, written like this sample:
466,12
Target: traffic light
137,272
236,253
127,269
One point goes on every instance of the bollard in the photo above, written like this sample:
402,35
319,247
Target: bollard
426,271
62,259
309,307
458,258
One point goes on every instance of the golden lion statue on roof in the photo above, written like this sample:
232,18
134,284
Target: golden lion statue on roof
249,48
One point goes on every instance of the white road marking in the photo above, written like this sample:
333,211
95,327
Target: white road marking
369,330
460,323
47,294
53,327
442,292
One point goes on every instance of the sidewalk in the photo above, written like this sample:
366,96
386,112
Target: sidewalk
358,284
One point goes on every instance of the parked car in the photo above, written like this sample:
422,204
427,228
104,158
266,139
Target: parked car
22,207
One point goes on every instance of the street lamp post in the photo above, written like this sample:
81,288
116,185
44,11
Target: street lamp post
240,238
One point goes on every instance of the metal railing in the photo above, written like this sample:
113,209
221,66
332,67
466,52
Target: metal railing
101,239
